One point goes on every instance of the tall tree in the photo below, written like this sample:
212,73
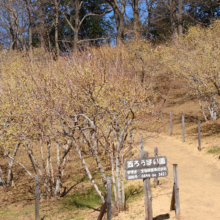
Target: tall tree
41,24
135,8
84,21
180,17
56,6
30,32
119,11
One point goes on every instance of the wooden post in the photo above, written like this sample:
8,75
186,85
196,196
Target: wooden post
199,135
102,211
171,123
183,129
37,197
2,187
147,189
141,146
175,202
1,178
156,182
1,182
109,201
172,205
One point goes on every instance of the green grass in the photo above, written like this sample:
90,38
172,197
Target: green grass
76,217
216,135
214,150
11,215
80,178
87,199
133,192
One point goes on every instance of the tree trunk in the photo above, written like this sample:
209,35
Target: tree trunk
41,24
88,172
13,35
149,11
104,179
10,176
173,17
211,8
136,16
122,178
76,29
29,26
58,181
120,26
48,169
56,27
35,164
119,18
20,164
30,37
118,176
113,175
180,17
23,43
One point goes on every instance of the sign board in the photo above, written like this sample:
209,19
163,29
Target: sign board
142,168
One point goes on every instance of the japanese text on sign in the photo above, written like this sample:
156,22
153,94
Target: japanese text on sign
142,163
142,173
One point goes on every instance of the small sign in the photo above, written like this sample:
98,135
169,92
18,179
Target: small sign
141,163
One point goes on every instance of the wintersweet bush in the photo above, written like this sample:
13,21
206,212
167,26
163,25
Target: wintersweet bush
88,103
195,59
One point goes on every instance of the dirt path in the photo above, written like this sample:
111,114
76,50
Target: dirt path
199,182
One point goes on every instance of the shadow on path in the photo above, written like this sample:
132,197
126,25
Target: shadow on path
161,217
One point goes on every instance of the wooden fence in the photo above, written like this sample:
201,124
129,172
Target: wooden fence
183,129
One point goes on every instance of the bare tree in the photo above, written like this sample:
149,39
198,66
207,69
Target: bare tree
29,13
135,4
176,19
119,11
41,23
10,21
56,5
74,20
180,17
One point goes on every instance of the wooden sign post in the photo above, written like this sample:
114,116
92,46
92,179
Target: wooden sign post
37,197
1,182
175,202
109,200
145,168
199,135
183,129
171,123
147,193
156,182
